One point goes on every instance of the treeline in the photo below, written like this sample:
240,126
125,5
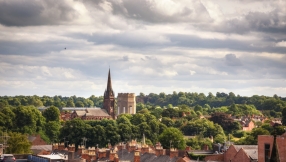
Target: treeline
57,101
270,106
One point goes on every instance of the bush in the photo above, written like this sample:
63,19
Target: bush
239,134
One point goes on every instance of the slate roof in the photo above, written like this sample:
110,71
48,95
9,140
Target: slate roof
250,150
42,147
146,157
97,111
80,113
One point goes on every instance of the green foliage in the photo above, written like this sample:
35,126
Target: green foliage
197,143
167,121
225,121
172,137
239,133
18,144
52,114
251,139
52,130
202,127
28,120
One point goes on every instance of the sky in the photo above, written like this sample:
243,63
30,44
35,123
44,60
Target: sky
66,47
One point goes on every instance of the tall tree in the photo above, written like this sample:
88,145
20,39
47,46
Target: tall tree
52,114
172,137
18,144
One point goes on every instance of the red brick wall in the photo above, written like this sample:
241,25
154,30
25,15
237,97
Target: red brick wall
230,153
262,140
281,145
217,157
241,156
39,141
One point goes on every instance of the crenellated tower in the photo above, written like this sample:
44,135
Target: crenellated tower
109,101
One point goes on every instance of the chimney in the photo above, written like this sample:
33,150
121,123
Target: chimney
137,156
188,148
85,155
61,146
131,148
80,149
71,148
92,156
173,153
119,147
144,149
101,153
55,146
159,150
206,147
116,159
112,155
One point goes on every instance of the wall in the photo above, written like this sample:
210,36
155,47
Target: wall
126,103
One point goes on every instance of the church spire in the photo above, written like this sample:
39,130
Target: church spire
109,100
109,85
109,91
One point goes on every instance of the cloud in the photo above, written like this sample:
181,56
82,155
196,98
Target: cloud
35,12
232,60
281,44
160,11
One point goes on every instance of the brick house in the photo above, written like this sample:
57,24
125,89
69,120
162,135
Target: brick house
36,140
65,115
265,147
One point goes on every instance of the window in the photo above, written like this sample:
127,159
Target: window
267,152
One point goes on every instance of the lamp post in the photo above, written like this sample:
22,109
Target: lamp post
84,141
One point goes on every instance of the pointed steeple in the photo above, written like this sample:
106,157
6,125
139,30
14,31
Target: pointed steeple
109,85
109,91
109,100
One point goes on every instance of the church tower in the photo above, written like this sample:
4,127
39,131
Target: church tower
109,101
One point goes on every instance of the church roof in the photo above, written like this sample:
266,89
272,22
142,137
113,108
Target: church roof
97,112
80,113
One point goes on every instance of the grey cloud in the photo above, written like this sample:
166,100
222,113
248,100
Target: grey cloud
34,12
138,42
232,60
272,22
146,11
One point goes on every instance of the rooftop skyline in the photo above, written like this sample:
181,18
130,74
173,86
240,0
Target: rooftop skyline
66,47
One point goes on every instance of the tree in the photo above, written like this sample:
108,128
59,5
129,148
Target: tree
97,135
7,116
167,121
172,137
52,130
70,103
74,130
18,144
52,114
28,120
138,119
224,120
284,116
125,131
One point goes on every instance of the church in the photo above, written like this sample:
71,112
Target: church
126,104
107,112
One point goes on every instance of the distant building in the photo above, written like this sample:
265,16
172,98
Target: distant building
107,112
109,99
126,103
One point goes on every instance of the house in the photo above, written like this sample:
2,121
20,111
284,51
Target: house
239,153
271,147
